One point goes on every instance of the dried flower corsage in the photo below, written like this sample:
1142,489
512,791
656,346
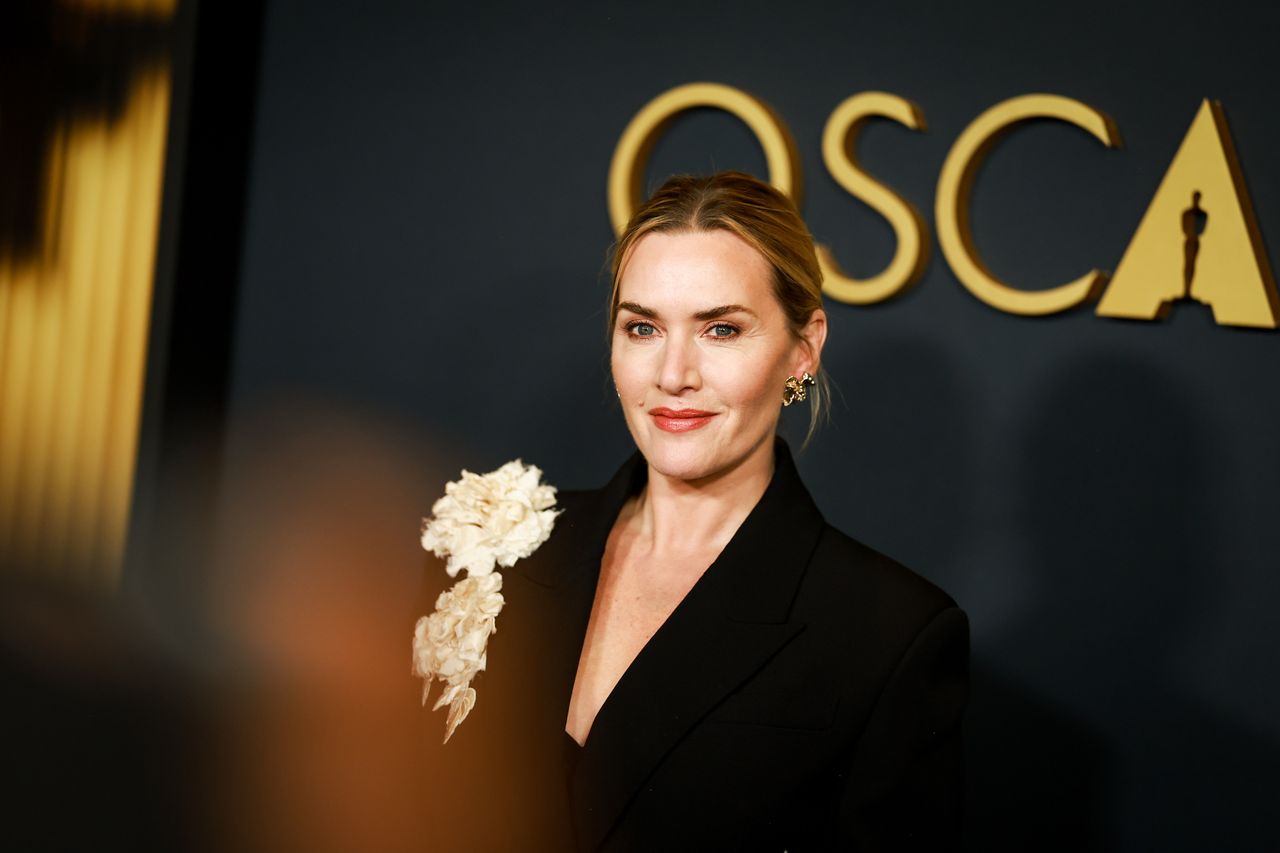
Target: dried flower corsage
483,521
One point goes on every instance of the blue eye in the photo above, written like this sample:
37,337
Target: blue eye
640,329
724,330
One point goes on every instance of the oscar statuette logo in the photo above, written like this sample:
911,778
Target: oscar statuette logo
1198,239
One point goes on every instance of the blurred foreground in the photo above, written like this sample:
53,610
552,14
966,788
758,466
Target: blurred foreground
273,708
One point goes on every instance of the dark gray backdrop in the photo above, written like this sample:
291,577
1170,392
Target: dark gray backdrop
424,234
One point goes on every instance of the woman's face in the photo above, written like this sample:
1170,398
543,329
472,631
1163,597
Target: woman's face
701,350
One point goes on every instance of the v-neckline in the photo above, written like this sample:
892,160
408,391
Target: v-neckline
653,636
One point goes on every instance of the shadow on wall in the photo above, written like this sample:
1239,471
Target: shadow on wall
1035,777
1084,733
903,441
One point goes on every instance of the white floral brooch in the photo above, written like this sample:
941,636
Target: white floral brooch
483,521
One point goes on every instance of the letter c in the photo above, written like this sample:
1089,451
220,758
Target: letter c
951,209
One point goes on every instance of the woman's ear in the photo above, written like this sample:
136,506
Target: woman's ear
812,338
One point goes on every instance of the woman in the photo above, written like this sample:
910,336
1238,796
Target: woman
722,669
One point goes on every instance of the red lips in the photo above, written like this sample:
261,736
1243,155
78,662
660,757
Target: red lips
680,420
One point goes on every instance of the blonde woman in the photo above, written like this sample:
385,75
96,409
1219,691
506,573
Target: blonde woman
709,665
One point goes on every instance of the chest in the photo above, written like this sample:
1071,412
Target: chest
634,597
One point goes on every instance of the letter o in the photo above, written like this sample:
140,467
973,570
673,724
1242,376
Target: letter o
631,157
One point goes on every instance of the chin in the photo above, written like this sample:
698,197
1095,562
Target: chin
680,458
684,457
681,466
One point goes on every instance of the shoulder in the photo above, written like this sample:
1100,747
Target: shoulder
580,529
589,512
842,564
585,516
578,517
574,502
872,607
846,581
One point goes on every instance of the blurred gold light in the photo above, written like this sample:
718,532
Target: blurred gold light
73,331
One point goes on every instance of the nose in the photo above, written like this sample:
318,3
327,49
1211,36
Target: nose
678,371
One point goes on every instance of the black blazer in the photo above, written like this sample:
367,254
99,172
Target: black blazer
805,695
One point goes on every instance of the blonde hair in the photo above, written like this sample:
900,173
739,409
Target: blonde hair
760,215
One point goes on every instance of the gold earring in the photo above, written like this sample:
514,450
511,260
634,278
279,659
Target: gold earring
794,389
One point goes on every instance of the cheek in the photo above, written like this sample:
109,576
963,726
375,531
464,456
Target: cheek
756,390
626,369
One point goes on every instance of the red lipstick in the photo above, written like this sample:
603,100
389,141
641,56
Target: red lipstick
680,420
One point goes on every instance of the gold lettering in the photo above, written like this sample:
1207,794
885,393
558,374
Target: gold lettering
839,153
1198,239
626,171
951,209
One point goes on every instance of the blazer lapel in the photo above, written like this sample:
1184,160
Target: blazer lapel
567,570
733,620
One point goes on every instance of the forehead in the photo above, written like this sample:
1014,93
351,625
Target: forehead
696,269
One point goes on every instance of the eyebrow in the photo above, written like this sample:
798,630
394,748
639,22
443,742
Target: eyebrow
709,314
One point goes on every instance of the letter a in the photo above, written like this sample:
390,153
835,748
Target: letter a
1198,239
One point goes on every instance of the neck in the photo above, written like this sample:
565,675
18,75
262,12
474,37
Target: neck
692,516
